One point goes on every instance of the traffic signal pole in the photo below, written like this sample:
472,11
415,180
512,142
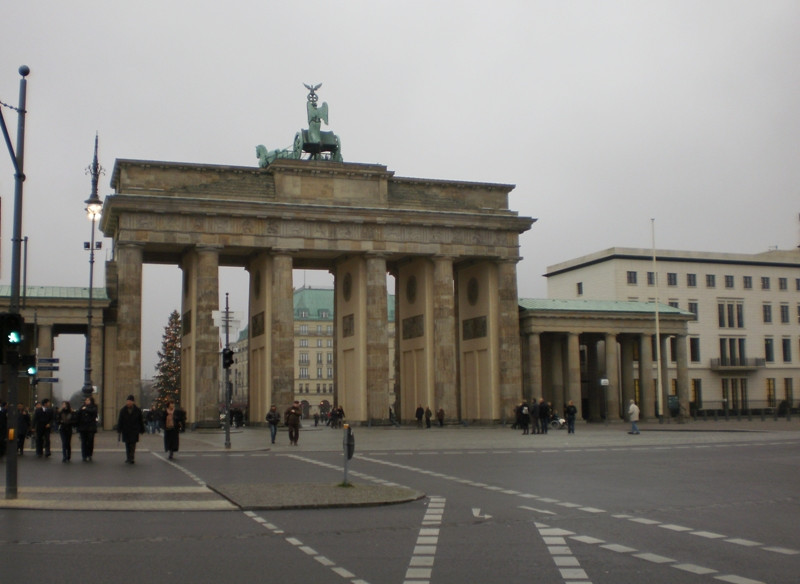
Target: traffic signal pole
9,375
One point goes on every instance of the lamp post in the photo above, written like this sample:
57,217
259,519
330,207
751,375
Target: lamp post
94,207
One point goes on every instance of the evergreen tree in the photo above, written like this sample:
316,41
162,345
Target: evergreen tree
168,370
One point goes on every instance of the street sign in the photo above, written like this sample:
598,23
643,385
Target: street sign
48,380
48,359
48,367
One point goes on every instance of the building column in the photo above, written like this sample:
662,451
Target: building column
626,364
612,374
206,337
377,349
128,355
682,377
44,347
646,401
663,348
594,393
282,331
535,366
510,359
573,386
259,334
444,340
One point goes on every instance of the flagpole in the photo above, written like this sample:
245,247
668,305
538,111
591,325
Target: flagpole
659,381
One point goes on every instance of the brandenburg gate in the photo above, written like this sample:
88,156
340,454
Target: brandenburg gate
452,247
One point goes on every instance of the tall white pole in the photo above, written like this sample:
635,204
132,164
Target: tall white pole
659,382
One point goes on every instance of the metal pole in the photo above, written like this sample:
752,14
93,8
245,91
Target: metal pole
227,379
10,375
87,366
661,400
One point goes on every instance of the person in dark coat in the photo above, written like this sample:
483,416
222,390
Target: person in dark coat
130,425
292,421
23,428
87,427
418,415
66,419
3,428
42,424
173,420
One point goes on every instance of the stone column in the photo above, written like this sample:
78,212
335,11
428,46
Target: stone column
128,356
626,364
44,345
444,341
681,356
206,337
377,340
535,366
664,346
646,402
595,406
612,374
508,336
573,370
282,331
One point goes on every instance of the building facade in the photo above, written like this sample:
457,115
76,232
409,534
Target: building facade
743,341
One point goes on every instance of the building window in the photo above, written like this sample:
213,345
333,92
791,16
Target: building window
711,281
330,358
304,313
786,345
764,283
769,350
694,349
319,358
798,313
691,280
693,308
729,281
767,311
330,372
329,330
785,313
770,390
651,279
673,303
303,357
797,284
303,342
324,314
730,314
304,330
631,277
319,343
319,329
304,373
783,284
579,288
747,282
672,279
319,372
697,393
329,343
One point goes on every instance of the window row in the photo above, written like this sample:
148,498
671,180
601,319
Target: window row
710,280
321,388
326,330
303,373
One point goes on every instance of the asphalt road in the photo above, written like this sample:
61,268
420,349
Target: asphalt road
674,505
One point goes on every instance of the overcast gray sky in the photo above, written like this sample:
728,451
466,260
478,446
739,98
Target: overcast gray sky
603,114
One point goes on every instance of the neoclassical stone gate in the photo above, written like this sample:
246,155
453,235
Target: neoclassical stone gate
452,247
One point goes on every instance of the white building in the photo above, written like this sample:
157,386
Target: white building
744,343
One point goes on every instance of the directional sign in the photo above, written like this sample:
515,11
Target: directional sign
48,367
48,380
48,359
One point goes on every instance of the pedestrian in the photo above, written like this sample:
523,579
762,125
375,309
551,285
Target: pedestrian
440,417
428,414
3,428
292,421
130,425
87,427
173,421
544,416
633,416
66,420
418,414
339,416
534,416
273,419
523,417
42,424
570,412
23,428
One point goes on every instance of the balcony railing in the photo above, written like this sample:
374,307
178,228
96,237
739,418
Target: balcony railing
737,364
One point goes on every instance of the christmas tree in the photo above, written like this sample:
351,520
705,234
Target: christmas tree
168,369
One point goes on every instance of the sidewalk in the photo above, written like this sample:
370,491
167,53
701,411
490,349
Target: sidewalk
158,484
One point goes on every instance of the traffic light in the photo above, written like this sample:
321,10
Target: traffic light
12,324
28,363
227,358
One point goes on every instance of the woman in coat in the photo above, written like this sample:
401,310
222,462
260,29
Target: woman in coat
172,421
87,427
66,419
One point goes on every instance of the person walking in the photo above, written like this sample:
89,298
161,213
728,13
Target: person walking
173,421
544,416
570,412
428,414
87,427
292,421
273,419
42,424
534,416
66,420
633,416
23,428
130,425
418,414
440,417
523,417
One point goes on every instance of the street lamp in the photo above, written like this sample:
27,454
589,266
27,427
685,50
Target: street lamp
94,207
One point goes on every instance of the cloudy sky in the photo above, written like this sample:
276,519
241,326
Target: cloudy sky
603,114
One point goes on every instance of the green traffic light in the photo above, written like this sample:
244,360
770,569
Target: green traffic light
14,337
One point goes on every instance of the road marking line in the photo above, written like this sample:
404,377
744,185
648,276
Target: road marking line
700,570
568,565
733,579
535,510
420,566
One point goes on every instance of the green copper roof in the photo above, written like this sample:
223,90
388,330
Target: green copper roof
317,304
61,292
543,304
